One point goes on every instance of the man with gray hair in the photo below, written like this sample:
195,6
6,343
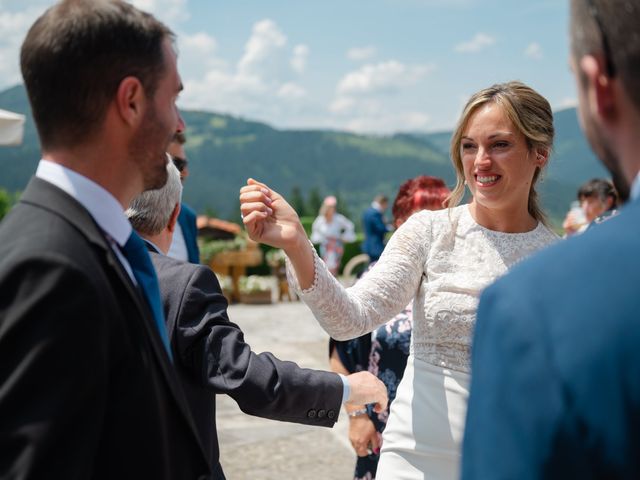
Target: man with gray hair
210,354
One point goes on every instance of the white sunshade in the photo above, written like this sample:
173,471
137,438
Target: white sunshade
11,128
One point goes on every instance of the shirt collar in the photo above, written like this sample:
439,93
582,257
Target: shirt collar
635,187
101,205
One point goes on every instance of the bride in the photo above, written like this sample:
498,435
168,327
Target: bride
441,259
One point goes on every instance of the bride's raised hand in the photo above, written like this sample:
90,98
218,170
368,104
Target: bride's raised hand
268,217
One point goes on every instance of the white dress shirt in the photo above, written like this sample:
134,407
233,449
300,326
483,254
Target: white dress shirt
101,205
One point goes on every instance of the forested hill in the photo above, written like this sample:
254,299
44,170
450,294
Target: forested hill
224,150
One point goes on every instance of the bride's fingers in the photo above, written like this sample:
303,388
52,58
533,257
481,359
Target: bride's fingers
247,208
252,196
252,220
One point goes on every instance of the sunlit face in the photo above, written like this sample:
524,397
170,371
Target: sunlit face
498,166
593,207
160,122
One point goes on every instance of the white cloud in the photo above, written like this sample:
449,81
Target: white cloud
299,58
260,85
534,51
14,27
383,77
359,54
264,51
389,123
568,102
476,44
291,91
168,11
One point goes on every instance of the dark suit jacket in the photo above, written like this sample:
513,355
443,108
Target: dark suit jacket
212,357
555,389
374,232
187,221
86,388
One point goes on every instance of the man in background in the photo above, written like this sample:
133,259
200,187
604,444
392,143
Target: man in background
211,355
375,228
597,200
184,245
555,389
87,389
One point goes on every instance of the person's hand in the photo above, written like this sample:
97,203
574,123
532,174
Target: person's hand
572,222
268,217
363,435
367,388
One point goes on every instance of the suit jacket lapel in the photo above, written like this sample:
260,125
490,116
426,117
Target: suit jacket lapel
48,196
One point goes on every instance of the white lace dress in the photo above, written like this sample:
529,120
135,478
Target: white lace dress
442,259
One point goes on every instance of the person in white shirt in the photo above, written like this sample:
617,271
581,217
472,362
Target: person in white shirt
331,229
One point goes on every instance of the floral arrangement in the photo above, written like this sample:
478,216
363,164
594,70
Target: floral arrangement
275,258
225,282
254,283
208,249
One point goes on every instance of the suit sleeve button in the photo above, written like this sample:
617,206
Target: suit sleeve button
311,413
322,413
331,414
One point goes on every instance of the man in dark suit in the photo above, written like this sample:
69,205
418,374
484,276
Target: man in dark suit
184,245
374,227
210,353
87,389
555,390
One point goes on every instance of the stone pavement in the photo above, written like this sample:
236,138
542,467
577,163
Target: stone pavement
258,449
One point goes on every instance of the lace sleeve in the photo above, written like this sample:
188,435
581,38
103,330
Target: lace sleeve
381,294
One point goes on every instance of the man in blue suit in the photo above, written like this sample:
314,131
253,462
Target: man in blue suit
374,227
555,390
185,245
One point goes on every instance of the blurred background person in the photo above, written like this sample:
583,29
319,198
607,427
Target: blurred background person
384,351
597,201
184,245
375,227
331,229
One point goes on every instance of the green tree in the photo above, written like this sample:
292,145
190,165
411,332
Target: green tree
6,202
342,206
297,202
314,201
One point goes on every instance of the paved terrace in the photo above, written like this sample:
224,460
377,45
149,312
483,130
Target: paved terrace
258,449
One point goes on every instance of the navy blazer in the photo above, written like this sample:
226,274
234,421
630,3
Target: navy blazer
212,357
555,386
374,232
187,221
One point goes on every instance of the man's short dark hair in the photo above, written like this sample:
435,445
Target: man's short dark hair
613,25
600,188
74,58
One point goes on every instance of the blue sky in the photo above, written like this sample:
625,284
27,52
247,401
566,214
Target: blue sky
374,66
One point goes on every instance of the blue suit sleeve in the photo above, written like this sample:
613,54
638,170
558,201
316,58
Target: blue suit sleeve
515,401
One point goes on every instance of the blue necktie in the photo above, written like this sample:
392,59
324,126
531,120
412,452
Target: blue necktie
136,253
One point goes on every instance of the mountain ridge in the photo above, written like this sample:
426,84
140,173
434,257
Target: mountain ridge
224,150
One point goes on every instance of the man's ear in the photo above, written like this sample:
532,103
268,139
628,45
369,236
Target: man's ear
173,219
130,100
600,91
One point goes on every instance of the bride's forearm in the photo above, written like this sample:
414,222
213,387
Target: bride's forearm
302,260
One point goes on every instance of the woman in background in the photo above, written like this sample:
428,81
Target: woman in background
331,229
384,352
